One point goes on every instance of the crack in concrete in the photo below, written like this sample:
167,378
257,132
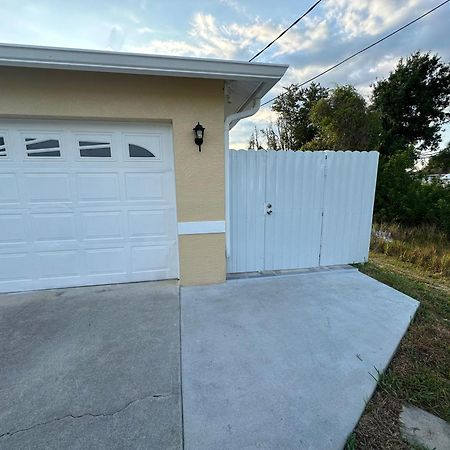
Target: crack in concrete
80,416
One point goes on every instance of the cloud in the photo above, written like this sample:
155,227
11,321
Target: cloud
313,33
370,17
144,30
208,38
235,6
301,74
384,66
264,115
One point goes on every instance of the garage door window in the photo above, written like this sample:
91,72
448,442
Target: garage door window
42,147
95,149
2,146
136,151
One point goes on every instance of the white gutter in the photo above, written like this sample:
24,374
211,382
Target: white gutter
119,62
228,120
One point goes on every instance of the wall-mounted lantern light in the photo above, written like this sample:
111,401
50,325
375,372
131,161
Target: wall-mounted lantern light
199,131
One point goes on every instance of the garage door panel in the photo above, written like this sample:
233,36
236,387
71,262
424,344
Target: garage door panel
15,267
144,186
106,261
101,225
149,224
100,211
98,187
58,264
149,258
47,187
53,227
13,229
9,192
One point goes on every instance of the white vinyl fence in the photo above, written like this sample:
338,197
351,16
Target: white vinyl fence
292,210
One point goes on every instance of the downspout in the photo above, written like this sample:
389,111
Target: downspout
228,120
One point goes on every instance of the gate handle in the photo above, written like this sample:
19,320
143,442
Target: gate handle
269,209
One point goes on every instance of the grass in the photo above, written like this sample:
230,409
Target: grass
425,246
419,373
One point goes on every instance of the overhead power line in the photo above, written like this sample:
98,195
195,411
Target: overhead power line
363,50
286,30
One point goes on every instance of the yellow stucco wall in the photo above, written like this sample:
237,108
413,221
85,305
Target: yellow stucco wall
182,101
206,267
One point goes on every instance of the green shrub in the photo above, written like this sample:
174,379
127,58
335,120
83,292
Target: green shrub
402,197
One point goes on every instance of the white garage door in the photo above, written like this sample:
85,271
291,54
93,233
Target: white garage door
85,203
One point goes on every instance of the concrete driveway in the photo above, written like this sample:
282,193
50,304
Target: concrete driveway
91,368
283,362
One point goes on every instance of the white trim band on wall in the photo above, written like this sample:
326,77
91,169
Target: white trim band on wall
205,227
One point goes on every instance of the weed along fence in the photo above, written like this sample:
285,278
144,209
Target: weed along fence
292,210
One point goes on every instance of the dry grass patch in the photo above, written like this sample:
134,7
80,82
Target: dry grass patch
424,246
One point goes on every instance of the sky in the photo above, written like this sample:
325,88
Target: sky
232,29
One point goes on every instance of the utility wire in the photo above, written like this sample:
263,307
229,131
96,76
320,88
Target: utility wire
363,50
286,30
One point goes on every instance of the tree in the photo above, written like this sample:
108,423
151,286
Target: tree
294,106
412,103
403,197
344,122
272,138
439,163
254,142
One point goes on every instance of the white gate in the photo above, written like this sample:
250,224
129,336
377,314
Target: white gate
292,210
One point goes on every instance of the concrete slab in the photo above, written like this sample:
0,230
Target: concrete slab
91,368
285,362
422,428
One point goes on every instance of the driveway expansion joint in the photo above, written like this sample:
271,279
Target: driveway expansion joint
80,416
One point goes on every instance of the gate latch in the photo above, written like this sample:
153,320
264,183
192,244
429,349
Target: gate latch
269,209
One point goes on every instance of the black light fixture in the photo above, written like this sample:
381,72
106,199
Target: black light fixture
199,131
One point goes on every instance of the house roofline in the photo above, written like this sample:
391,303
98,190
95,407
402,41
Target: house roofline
119,62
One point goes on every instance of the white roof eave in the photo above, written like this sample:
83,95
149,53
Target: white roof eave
107,61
